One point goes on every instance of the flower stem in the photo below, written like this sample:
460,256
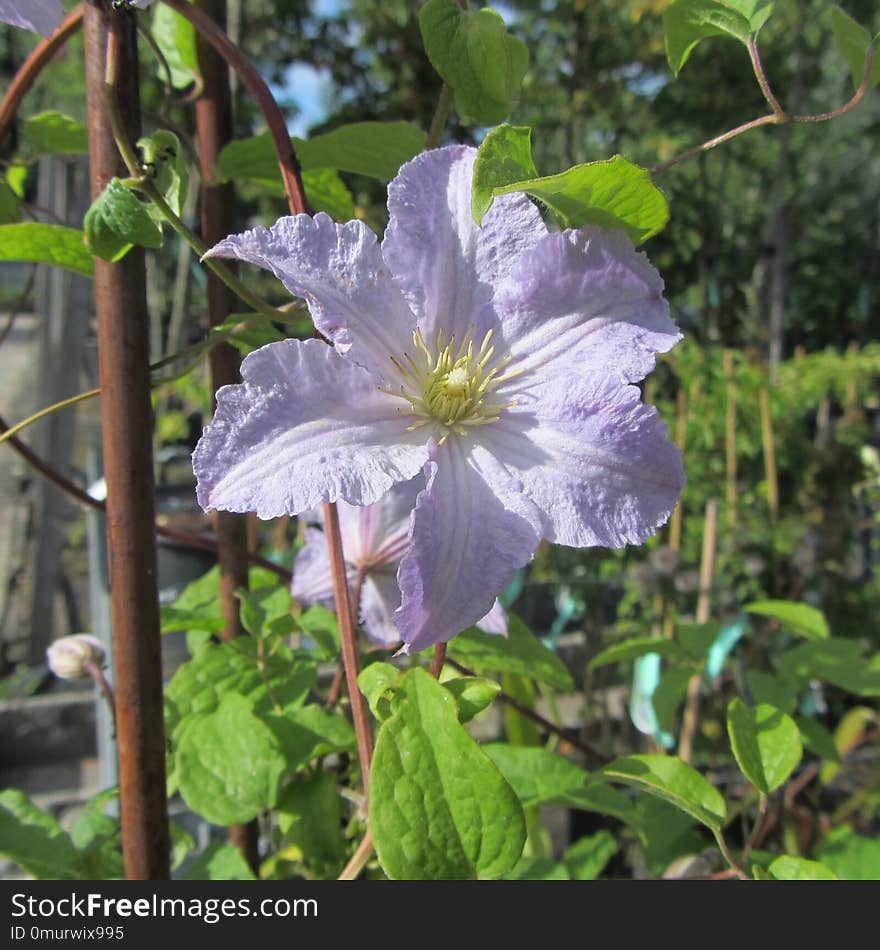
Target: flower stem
441,114
349,644
438,660
358,859
97,674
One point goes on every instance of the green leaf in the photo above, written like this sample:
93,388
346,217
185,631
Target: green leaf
802,619
34,840
10,205
176,38
309,816
520,652
282,676
46,244
668,695
768,688
504,156
535,774
633,648
258,332
611,194
219,862
260,607
173,619
322,625
854,41
817,739
587,857
837,661
538,869
439,808
326,191
696,639
472,694
117,220
766,743
16,177
686,22
789,868
309,732
374,149
229,763
672,780
474,53
600,797
55,133
99,838
182,842
380,683
163,158
850,856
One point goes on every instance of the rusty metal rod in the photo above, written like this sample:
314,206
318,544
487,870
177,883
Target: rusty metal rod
127,434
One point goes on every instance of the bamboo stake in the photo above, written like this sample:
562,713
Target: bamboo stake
704,610
769,454
730,439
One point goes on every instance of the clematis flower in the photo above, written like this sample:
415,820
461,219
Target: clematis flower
374,538
497,360
41,16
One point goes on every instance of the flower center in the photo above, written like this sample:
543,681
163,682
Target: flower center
451,384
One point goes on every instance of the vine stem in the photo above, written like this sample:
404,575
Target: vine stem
71,401
35,63
97,674
761,76
728,857
774,118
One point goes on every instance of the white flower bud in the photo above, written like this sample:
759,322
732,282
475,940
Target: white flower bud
68,655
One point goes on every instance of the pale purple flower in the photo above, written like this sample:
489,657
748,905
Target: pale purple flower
374,538
41,16
498,360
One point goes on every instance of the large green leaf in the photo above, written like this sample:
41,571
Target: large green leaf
850,856
837,661
46,244
309,732
587,857
804,620
686,22
766,743
53,132
99,837
520,652
327,192
612,194
34,840
118,220
309,816
472,694
229,763
473,52
790,868
282,678
439,808
220,861
672,780
374,149
633,648
854,41
176,38
535,774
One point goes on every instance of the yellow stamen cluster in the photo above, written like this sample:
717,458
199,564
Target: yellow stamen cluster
451,384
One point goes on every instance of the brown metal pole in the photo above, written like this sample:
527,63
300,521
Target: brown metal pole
127,427
214,126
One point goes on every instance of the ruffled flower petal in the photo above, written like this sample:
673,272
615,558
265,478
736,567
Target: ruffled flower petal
306,426
447,266
339,271
593,458
312,578
471,529
495,621
587,300
41,16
